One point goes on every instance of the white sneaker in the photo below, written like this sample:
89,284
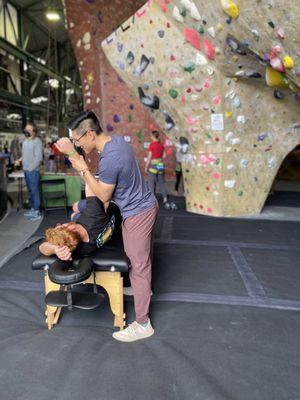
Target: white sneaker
127,291
35,216
29,213
134,332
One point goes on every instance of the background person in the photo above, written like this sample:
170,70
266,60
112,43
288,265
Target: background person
155,167
32,157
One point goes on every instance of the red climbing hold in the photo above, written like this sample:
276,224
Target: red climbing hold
193,37
209,49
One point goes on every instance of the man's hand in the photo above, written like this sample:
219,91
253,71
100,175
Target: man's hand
63,253
64,145
78,163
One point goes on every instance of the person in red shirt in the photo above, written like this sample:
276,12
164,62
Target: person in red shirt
155,167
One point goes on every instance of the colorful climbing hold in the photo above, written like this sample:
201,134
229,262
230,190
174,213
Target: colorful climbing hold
209,49
230,8
173,93
189,66
192,36
274,78
288,62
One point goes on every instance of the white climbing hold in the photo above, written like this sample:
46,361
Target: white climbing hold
212,31
230,167
244,163
176,15
236,102
71,25
88,101
229,184
194,12
86,38
78,44
228,136
187,4
87,47
241,119
98,100
200,59
230,95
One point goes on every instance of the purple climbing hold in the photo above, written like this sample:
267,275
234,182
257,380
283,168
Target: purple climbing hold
90,1
109,128
121,65
261,137
131,106
117,118
120,47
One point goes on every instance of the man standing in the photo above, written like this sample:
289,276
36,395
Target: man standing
120,179
32,156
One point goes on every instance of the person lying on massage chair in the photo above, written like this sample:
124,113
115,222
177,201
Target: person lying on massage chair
93,228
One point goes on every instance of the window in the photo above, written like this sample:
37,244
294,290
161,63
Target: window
9,24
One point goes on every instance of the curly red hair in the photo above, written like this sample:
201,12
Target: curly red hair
62,236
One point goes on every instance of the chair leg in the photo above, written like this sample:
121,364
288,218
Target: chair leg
52,313
112,282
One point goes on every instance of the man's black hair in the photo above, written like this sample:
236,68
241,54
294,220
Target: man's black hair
91,119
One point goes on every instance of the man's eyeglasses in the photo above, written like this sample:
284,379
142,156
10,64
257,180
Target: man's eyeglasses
76,141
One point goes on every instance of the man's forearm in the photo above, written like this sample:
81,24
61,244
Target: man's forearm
95,186
47,249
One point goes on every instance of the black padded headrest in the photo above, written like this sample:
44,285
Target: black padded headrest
103,259
41,261
110,260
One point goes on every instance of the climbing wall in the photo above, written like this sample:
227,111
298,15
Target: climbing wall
225,75
120,111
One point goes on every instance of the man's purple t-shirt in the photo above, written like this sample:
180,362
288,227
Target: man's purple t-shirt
119,166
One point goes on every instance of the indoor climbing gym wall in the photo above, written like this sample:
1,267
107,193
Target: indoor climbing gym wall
89,23
225,75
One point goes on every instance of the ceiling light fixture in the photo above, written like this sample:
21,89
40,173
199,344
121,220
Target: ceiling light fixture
52,15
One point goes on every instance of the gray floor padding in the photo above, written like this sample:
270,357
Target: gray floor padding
234,230
200,351
184,268
277,270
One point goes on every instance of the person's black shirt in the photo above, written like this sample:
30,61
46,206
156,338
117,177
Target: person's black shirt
94,218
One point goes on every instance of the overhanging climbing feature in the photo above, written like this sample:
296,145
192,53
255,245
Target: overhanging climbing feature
225,75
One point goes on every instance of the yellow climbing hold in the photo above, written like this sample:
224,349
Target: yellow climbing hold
228,114
274,78
288,62
230,8
219,27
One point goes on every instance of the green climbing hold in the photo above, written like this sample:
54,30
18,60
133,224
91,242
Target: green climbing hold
189,67
140,136
240,193
217,162
200,29
173,93
208,135
129,117
182,10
